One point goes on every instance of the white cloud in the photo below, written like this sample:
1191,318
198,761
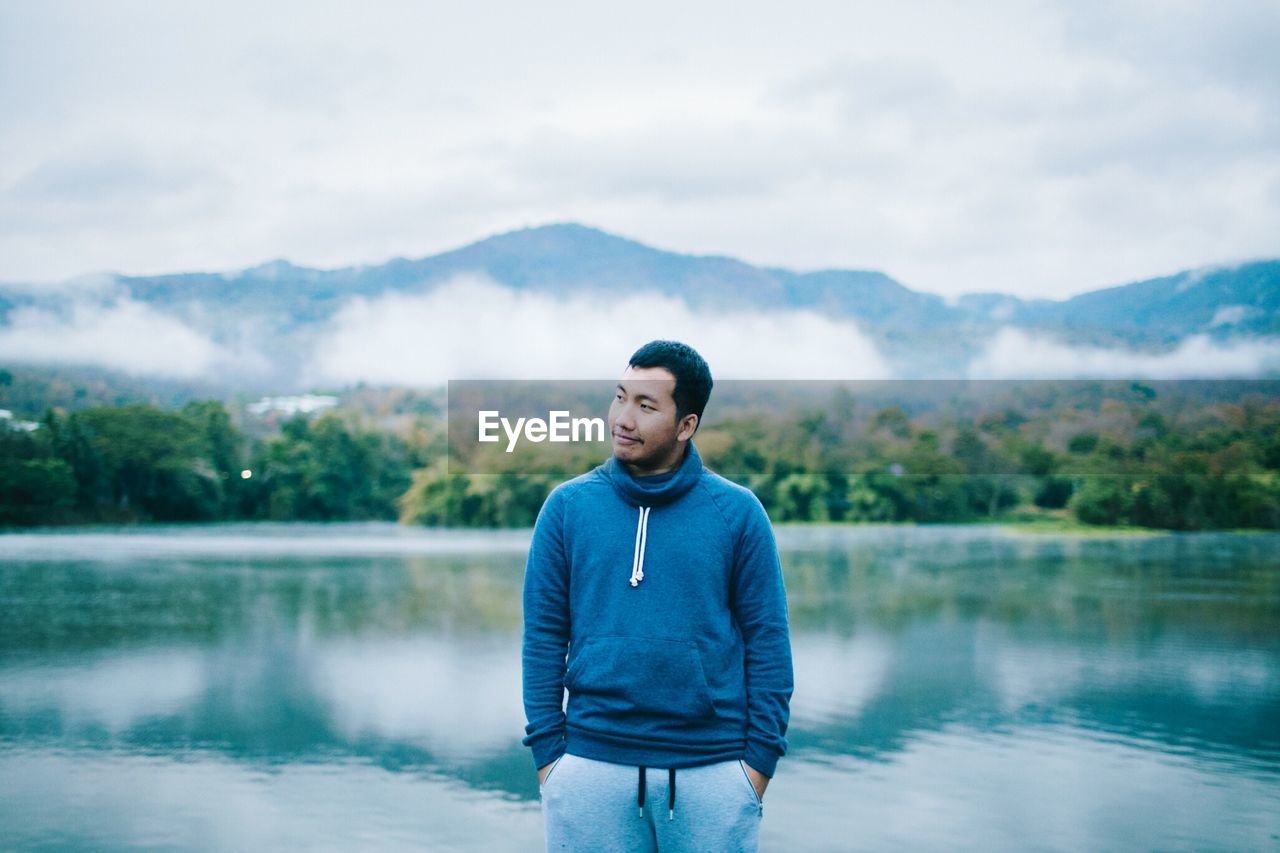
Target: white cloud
121,334
1229,315
1079,146
1193,42
1016,354
473,328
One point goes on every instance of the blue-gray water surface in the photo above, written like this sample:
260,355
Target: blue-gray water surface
340,687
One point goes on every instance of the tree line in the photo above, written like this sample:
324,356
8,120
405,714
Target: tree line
142,463
1125,456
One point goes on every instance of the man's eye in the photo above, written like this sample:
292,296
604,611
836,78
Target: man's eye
645,406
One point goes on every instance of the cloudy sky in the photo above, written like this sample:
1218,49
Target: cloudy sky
1038,147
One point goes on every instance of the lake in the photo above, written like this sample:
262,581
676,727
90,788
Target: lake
357,686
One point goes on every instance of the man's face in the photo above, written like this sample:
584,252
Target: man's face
642,421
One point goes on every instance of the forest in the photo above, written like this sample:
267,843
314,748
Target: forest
1174,456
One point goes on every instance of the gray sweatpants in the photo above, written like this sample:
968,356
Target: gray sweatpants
594,805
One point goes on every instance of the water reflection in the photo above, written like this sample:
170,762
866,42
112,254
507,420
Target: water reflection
957,671
109,695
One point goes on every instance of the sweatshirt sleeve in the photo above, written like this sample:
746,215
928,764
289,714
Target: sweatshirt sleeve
760,608
546,633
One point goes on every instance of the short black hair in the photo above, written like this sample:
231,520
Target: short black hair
693,376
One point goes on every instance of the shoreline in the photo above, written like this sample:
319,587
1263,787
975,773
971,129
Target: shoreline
1011,525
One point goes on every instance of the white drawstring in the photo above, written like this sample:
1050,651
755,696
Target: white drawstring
642,533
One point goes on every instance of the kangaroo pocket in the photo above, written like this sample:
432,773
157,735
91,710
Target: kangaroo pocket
613,677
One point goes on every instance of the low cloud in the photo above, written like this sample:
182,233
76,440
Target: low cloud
1016,354
124,335
473,328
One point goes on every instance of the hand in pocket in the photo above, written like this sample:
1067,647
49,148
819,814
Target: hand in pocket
759,781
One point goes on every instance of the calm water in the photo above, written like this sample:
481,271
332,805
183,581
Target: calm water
358,687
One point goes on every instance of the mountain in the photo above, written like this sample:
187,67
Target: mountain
556,259
1222,302
278,309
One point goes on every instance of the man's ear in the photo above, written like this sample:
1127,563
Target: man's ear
688,424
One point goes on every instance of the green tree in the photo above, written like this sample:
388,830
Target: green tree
154,463
1102,500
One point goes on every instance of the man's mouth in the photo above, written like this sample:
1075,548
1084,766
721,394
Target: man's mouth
625,439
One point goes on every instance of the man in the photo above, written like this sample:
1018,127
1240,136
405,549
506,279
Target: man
660,580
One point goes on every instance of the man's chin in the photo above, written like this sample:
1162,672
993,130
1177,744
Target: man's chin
632,454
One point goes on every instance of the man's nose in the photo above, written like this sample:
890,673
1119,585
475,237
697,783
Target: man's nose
626,417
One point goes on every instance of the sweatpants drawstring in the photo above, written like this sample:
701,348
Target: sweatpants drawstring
671,793
671,798
640,794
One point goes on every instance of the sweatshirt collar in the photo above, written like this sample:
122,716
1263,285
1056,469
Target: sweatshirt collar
644,491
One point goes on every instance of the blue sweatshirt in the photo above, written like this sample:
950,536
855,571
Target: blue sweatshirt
658,603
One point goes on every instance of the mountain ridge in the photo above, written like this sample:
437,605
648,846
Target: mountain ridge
283,307
565,256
